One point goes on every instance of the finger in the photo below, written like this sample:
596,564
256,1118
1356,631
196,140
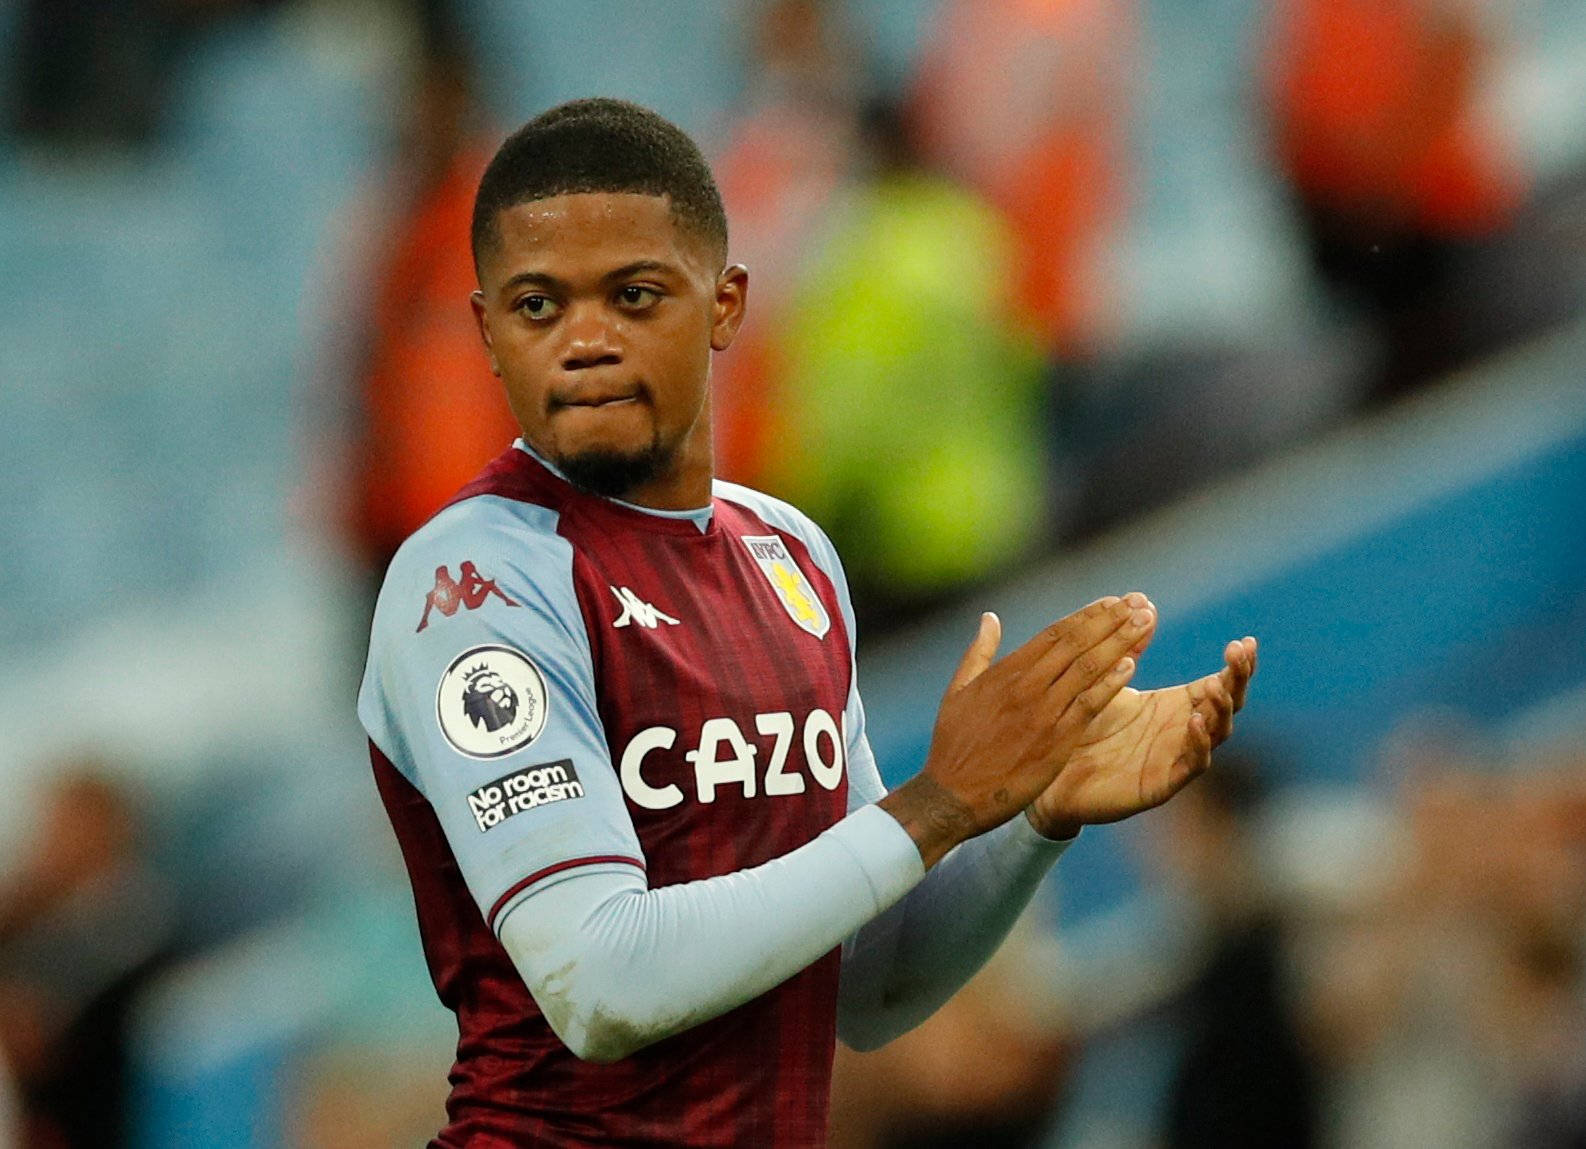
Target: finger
1194,758
1198,746
1087,654
1094,698
1139,648
1213,698
1219,711
1249,647
1235,677
1072,633
1093,666
982,649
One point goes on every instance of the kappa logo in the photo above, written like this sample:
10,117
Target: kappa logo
793,590
636,610
468,591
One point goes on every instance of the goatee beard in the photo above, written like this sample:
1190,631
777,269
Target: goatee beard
613,474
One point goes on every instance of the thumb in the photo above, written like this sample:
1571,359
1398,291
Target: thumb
980,653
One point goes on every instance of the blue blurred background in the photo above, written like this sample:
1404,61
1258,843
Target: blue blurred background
1274,309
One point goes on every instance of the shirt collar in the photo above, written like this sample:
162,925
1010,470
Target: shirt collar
699,516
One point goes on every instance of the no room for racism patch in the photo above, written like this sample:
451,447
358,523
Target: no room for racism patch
522,790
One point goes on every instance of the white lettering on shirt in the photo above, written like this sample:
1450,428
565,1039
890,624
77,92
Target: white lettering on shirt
723,756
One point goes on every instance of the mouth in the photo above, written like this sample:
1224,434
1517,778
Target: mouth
599,400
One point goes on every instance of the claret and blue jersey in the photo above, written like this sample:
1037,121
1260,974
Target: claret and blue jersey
559,682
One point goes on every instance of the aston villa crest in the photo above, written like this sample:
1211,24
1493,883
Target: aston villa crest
792,589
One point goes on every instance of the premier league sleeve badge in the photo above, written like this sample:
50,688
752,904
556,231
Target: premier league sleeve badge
491,701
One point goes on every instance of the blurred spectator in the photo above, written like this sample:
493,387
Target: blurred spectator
433,414
1189,1019
1378,127
912,404
1029,103
1244,1076
792,152
1448,1003
1537,1014
84,924
99,71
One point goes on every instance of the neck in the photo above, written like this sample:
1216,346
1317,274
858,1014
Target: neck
685,485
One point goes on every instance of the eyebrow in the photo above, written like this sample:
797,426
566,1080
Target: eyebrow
552,283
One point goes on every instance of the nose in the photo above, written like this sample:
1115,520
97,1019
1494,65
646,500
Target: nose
590,341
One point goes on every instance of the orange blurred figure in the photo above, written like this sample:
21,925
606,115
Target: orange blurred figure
1375,112
1028,103
433,414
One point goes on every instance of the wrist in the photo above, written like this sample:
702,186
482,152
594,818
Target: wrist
1056,829
933,817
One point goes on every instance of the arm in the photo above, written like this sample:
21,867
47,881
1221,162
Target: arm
615,966
1141,749
903,966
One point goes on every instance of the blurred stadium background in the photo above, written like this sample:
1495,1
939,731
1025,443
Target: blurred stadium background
1275,309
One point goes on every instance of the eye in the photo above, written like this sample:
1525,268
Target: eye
538,307
637,297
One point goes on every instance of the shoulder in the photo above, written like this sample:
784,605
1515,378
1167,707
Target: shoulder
481,545
521,533
781,515
485,520
486,572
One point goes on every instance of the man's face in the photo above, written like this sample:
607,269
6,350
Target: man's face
600,315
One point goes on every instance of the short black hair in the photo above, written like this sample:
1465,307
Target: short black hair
600,145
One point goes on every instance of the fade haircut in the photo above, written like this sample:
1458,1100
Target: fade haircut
600,145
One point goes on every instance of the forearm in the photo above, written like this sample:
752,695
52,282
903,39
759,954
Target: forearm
615,966
901,967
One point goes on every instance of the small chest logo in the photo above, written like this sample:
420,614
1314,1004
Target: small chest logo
469,591
636,610
793,590
490,702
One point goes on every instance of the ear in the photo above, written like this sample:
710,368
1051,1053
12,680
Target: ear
477,302
732,296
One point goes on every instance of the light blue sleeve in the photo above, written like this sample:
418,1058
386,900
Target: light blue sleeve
903,965
480,690
615,966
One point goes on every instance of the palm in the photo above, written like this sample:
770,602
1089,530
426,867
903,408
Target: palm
1143,747
1126,760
